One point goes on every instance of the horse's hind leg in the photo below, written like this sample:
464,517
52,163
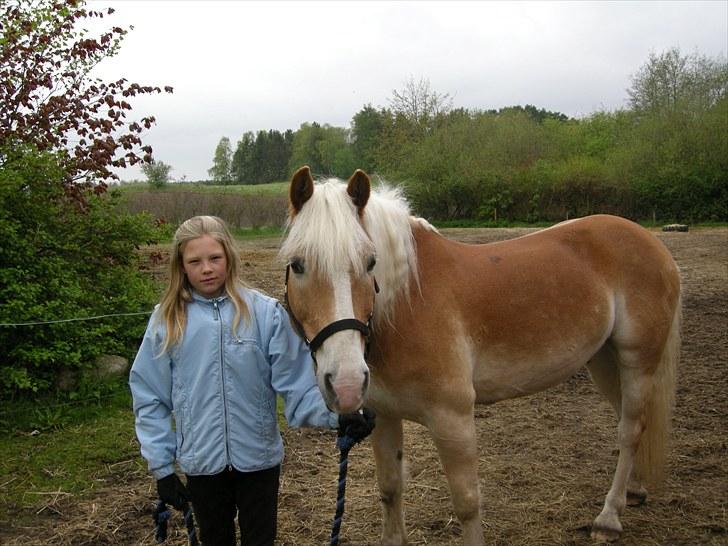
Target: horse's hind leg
604,371
455,438
636,385
387,445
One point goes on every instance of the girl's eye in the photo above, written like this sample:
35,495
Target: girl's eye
371,263
297,267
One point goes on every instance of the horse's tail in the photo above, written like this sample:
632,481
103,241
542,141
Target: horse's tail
652,451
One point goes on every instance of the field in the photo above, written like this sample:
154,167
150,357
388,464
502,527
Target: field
242,206
546,461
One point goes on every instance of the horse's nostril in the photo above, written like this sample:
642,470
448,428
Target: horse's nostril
329,384
366,380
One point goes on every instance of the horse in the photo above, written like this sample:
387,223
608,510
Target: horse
415,326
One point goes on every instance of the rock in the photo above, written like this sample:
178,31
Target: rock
109,367
675,227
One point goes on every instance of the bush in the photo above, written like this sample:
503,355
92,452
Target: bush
64,258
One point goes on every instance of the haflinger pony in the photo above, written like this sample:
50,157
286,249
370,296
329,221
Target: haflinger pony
453,325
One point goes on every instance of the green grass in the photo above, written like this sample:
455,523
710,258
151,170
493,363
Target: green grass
243,234
55,449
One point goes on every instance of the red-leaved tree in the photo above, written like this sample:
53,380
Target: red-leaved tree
49,100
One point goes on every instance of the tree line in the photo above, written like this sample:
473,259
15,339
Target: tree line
664,157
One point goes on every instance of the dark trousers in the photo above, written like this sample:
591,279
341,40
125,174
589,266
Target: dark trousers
252,495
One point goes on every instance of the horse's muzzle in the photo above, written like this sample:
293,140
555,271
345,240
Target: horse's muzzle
345,397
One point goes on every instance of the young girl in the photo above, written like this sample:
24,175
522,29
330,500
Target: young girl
215,355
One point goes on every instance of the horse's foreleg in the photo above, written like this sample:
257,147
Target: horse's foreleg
387,445
455,438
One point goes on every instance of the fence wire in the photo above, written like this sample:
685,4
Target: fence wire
41,322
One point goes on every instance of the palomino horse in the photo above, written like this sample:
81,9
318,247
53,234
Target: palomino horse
456,324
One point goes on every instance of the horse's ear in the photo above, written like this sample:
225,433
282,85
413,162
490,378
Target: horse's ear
359,189
301,188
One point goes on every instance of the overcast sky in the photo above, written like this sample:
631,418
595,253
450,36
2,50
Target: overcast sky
240,66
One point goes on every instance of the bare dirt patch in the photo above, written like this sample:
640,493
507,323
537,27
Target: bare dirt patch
546,461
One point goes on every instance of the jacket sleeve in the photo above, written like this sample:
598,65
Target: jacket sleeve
150,381
293,377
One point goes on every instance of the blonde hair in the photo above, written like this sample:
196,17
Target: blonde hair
172,311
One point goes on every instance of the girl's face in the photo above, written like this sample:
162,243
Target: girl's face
205,264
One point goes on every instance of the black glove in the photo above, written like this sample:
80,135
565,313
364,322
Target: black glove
358,425
172,491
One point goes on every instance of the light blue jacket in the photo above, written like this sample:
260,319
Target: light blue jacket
221,388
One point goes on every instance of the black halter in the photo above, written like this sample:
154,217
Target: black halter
330,329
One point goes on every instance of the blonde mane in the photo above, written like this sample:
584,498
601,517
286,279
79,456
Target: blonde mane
328,234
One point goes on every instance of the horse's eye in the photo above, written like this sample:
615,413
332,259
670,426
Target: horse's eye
371,263
297,266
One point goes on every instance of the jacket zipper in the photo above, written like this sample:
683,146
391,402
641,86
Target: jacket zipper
218,317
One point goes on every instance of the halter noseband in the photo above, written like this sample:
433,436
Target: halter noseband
330,329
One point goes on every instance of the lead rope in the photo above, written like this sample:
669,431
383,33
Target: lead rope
344,443
161,516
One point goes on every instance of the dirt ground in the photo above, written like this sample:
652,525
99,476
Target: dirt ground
546,461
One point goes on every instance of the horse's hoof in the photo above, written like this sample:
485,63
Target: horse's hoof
603,534
636,498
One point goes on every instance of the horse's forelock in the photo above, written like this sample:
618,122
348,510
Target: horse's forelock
327,232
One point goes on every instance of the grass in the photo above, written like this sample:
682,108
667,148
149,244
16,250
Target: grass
54,449
240,234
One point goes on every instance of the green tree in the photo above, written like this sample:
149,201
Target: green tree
157,173
262,158
241,168
671,81
305,149
325,149
673,153
220,171
367,133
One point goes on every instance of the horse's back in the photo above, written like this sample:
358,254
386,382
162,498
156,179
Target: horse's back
604,248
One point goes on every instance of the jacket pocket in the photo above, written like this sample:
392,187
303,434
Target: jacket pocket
185,453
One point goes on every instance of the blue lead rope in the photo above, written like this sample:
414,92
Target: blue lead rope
161,516
344,443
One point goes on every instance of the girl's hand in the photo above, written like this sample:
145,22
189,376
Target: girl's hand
173,492
358,425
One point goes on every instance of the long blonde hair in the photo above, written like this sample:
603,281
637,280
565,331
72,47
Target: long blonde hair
179,292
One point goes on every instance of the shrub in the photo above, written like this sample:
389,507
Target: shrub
63,258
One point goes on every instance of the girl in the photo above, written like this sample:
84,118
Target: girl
215,355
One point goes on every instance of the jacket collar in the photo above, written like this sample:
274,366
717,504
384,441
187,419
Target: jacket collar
209,301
